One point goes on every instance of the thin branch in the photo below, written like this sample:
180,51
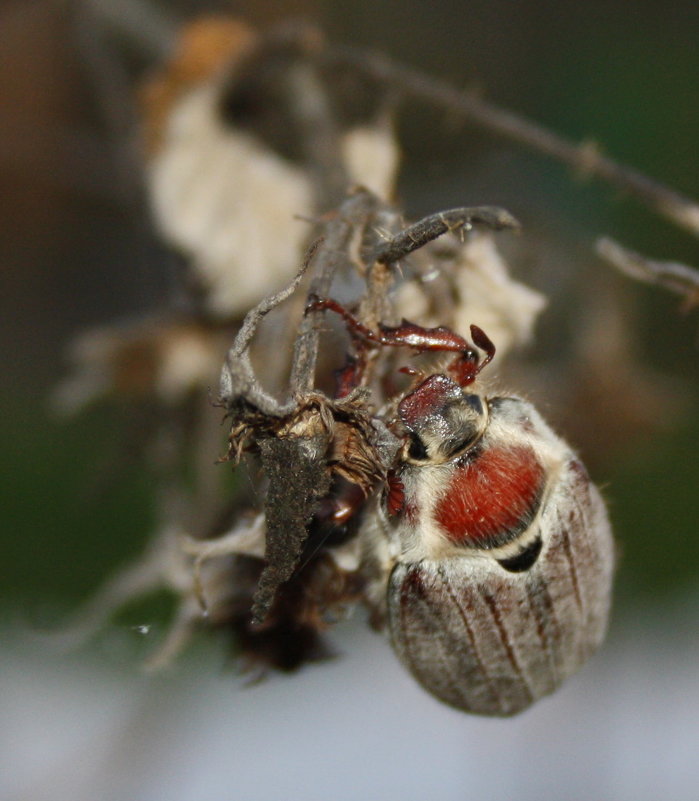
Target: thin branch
319,135
674,276
237,376
429,228
679,209
254,317
331,255
281,71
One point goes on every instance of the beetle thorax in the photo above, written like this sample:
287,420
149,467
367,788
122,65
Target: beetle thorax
485,500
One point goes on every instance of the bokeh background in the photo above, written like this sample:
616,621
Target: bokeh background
616,366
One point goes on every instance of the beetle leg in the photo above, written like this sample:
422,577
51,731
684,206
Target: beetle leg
348,377
464,368
355,328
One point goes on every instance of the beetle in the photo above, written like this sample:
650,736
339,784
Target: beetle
490,552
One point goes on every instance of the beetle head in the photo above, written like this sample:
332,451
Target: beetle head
442,420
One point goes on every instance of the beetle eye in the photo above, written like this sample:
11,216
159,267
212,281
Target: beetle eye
417,449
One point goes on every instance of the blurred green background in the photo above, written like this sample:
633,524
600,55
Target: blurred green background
78,250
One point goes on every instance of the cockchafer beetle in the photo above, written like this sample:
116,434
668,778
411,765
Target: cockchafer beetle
490,552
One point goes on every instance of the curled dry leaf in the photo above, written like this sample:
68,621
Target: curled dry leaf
248,134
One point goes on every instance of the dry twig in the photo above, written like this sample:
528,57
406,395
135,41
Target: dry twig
674,276
585,158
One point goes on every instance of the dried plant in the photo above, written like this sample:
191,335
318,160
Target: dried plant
245,134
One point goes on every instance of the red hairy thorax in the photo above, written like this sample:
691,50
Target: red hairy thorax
492,497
